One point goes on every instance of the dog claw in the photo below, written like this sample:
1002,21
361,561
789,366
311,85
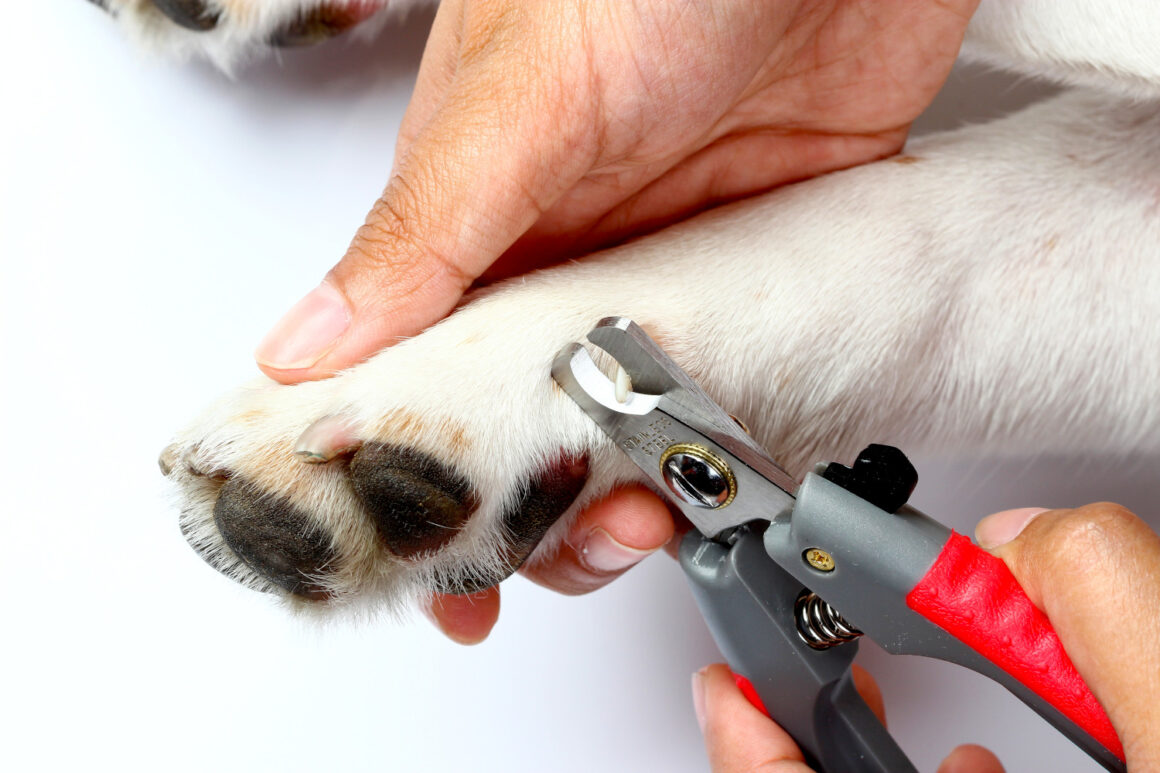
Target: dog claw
168,459
623,384
325,439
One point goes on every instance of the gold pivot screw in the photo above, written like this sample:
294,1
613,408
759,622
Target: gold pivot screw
820,560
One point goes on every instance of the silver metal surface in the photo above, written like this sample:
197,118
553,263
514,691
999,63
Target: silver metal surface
698,476
666,408
819,624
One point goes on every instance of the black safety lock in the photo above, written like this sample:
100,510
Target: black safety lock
882,475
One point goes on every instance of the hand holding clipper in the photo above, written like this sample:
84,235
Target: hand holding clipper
789,576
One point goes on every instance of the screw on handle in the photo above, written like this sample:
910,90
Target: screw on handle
698,476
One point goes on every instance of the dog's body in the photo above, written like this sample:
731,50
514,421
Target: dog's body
995,287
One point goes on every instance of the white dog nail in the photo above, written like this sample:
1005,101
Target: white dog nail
325,439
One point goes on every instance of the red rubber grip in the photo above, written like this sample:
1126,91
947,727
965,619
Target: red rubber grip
750,693
973,596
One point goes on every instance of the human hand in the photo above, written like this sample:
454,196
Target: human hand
539,131
1082,568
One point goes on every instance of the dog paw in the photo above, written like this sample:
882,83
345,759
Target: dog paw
223,30
442,463
438,465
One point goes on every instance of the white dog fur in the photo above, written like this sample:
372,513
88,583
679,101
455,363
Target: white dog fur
995,287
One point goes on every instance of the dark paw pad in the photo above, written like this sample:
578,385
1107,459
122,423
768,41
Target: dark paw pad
544,501
192,14
319,24
274,539
417,503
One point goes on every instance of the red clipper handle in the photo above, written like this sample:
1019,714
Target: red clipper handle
973,596
750,693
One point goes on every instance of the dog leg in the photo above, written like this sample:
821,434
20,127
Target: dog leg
997,287
1110,46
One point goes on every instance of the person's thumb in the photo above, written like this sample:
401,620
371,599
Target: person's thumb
474,179
1095,573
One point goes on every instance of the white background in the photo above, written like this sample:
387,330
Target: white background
156,219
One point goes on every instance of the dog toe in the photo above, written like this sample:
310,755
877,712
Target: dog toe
544,500
169,458
192,14
547,498
315,25
275,539
418,504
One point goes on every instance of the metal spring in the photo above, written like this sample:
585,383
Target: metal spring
819,624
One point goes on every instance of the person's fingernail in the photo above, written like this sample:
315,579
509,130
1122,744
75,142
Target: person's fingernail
699,697
603,554
1001,528
307,332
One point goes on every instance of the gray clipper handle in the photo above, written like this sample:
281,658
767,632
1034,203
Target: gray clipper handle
748,603
878,558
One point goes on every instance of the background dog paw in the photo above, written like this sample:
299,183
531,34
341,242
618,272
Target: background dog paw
226,30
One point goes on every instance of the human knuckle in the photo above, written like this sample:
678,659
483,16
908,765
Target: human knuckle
377,247
391,230
1093,534
403,255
